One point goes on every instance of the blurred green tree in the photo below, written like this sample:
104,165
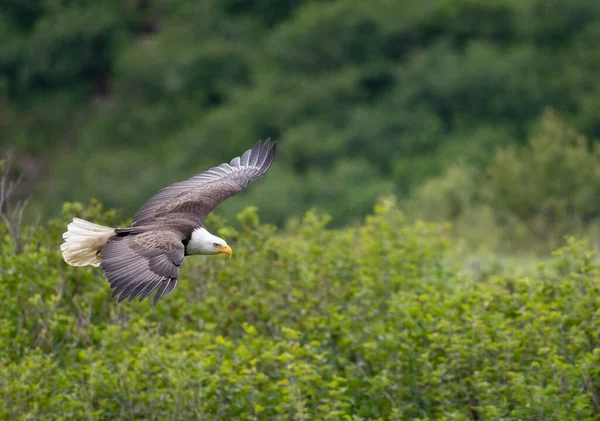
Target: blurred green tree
153,91
552,185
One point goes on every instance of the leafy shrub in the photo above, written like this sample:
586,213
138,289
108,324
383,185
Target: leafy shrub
527,197
371,322
552,185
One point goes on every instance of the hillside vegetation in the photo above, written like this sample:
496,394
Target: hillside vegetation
115,99
351,298
308,323
526,199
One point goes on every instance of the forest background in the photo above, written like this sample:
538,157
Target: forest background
423,247
481,113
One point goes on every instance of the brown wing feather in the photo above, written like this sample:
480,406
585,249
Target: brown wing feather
136,265
196,197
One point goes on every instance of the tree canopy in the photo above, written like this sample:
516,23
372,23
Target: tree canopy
116,99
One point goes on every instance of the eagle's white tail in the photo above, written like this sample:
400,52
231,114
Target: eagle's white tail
83,242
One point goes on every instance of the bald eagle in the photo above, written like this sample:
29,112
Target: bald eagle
146,256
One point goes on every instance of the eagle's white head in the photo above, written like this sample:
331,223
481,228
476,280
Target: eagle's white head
203,242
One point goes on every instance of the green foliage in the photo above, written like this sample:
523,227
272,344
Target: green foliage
154,91
366,323
527,197
552,185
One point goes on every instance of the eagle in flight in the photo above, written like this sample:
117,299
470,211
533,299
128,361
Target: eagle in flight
146,256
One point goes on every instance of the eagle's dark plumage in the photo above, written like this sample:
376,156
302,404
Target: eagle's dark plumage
146,257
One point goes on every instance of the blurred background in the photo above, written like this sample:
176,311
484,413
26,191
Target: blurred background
482,113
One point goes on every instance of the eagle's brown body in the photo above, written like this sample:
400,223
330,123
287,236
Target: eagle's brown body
145,257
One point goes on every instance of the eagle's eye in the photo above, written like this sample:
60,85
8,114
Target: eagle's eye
216,245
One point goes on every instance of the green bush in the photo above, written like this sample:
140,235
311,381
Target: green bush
365,323
552,186
527,198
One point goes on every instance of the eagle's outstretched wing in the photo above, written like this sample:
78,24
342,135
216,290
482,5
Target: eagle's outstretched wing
196,197
137,265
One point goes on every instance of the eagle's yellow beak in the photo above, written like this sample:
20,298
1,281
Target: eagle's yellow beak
226,250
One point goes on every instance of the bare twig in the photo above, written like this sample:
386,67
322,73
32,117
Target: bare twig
12,214
589,386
